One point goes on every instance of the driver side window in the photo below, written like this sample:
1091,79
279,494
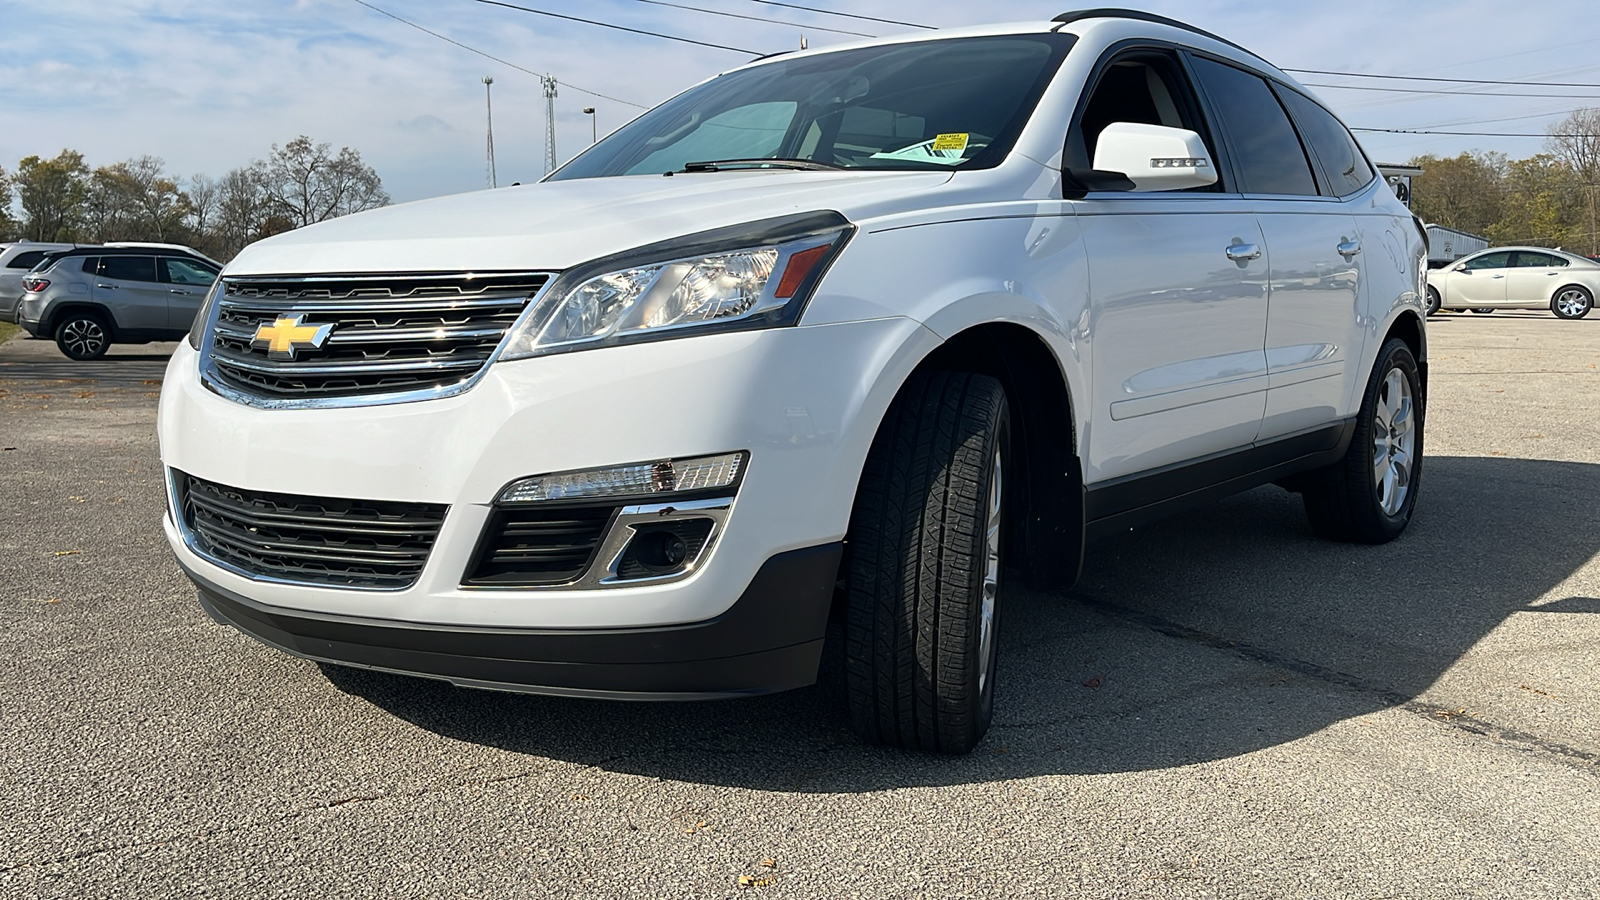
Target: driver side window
1489,261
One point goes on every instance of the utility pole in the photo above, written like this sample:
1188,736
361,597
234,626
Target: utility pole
549,82
489,106
594,130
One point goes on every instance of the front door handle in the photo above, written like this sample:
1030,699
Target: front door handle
177,291
1349,248
109,287
1243,252
1496,276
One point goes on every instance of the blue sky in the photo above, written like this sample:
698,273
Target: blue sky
210,85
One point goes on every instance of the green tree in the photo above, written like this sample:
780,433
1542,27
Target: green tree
8,225
1543,205
1465,192
52,193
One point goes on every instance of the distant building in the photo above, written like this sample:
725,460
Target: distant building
1446,245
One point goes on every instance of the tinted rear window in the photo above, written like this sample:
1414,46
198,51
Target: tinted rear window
26,260
1266,148
1343,164
128,268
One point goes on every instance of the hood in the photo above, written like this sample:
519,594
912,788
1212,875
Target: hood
556,225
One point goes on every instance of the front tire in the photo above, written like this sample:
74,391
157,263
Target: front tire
1434,300
83,335
1368,496
1571,302
923,585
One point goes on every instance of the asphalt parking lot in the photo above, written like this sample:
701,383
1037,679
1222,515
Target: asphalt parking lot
1223,707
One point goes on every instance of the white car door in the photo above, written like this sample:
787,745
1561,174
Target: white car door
1532,278
1177,294
1314,332
1478,281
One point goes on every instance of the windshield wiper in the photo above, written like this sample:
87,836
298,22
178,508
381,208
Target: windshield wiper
715,165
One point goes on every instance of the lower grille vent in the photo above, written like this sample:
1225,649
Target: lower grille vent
309,540
526,547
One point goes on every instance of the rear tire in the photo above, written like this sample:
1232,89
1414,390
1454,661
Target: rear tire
83,335
1571,302
1368,496
923,582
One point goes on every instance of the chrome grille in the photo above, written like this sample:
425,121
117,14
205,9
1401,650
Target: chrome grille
392,337
308,540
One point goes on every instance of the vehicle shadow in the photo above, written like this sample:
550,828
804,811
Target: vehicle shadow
1213,634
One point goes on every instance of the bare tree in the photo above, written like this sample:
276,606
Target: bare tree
8,225
205,193
1575,141
243,207
310,184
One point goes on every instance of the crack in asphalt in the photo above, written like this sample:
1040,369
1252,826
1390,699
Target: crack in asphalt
287,816
1583,760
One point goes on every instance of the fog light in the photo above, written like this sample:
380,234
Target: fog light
667,476
666,548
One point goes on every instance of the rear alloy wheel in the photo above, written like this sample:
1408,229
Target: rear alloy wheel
1482,311
1368,496
1571,302
923,587
83,335
1434,300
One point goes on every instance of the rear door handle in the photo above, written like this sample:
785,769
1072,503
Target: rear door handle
1349,248
109,287
1243,252
178,291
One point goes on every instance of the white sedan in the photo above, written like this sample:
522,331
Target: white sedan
1517,278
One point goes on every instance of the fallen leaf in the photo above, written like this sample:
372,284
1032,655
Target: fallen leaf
151,381
79,499
1094,682
84,395
67,552
770,863
752,881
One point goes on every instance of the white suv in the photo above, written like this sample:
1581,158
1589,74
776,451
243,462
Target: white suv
865,331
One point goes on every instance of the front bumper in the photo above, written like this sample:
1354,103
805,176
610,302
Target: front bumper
805,403
769,640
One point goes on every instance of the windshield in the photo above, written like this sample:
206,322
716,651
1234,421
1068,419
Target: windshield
925,105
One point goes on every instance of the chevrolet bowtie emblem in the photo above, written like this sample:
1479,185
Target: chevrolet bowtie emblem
285,336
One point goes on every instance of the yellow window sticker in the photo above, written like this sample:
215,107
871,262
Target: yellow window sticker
955,142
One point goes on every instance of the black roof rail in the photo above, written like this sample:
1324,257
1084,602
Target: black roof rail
1111,12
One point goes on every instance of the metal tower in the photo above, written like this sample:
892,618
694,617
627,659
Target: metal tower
549,82
489,105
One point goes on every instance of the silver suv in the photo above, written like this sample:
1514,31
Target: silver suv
15,261
92,297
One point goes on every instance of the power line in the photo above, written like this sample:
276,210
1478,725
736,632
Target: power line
718,12
1477,133
845,15
496,58
1576,84
1351,87
654,34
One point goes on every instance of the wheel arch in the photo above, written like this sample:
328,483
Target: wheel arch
1408,327
1044,441
53,315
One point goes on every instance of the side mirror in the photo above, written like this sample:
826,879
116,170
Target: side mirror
1152,158
1462,268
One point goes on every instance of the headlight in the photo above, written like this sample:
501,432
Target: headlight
202,318
751,276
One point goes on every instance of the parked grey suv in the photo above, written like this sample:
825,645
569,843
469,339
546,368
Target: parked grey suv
92,297
15,261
